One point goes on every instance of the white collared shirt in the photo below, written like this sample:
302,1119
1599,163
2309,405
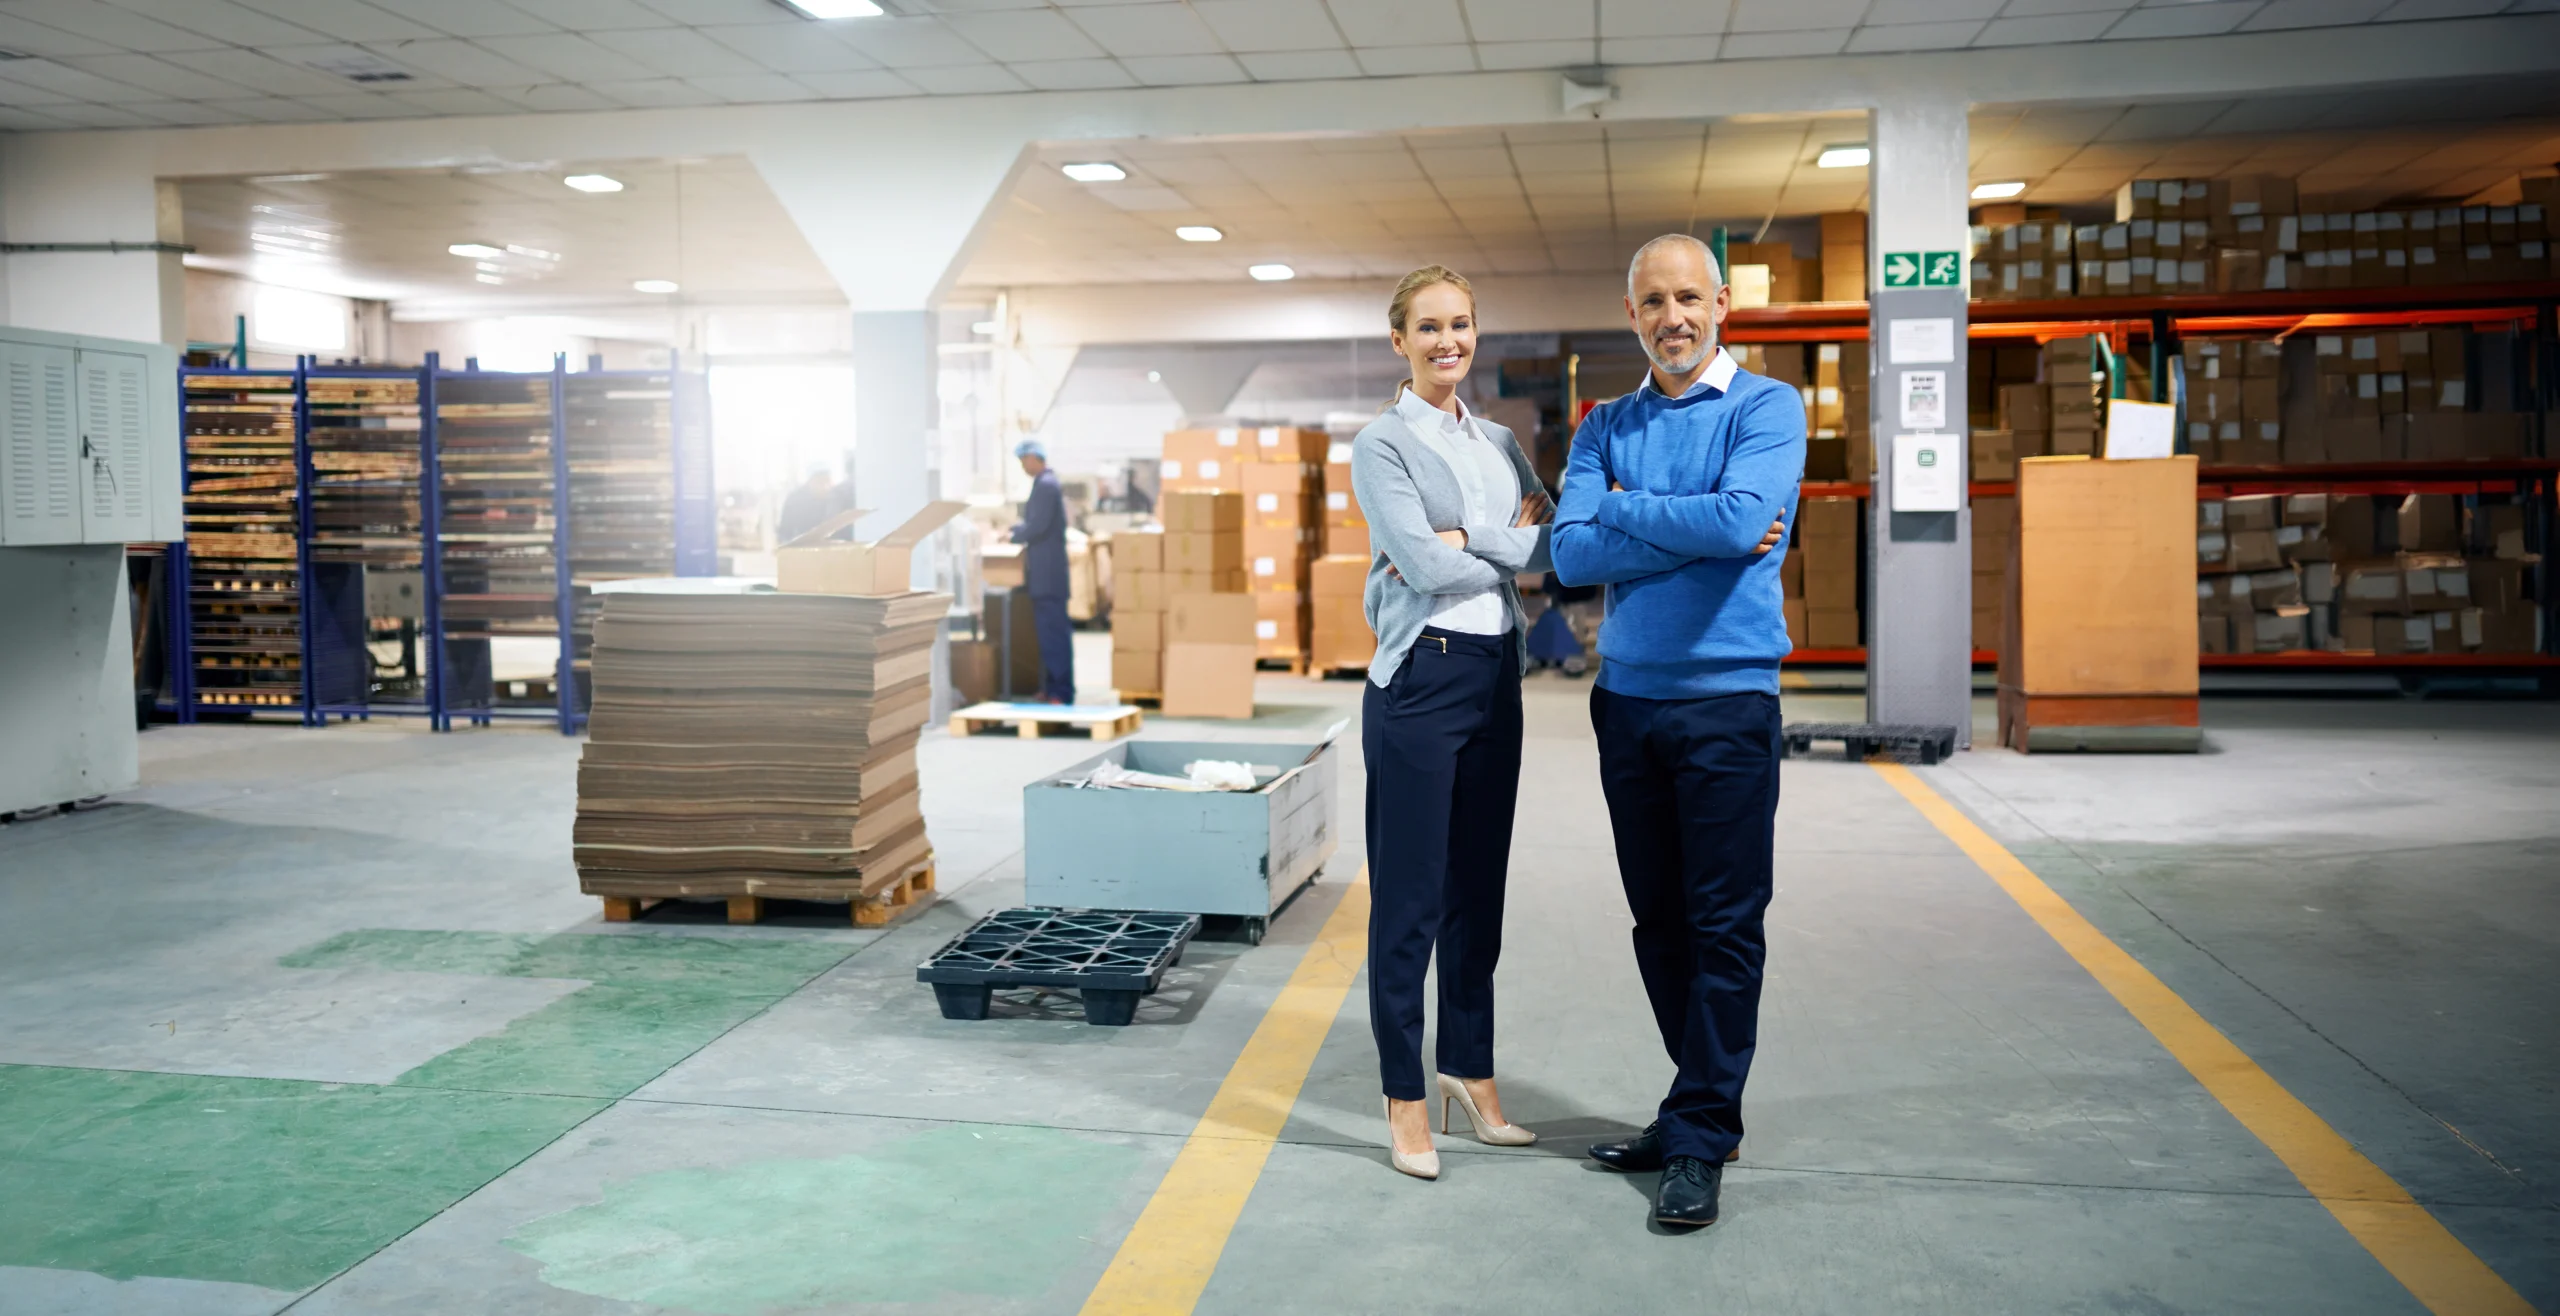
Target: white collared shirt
1718,375
1483,473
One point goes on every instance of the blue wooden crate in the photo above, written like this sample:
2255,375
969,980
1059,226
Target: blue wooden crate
1241,853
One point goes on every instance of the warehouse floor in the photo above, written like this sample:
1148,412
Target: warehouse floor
318,1020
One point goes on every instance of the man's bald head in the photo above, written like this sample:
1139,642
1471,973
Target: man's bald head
1675,303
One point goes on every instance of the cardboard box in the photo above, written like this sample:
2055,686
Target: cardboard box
1844,272
1139,591
1279,623
1137,630
1194,551
1347,541
1829,586
1137,550
1828,520
1285,444
1338,636
1209,680
1341,503
1201,510
1795,623
1830,628
1993,454
1841,227
1196,617
2024,409
1279,493
1177,583
1338,576
1137,671
2402,635
2430,523
817,564
1276,557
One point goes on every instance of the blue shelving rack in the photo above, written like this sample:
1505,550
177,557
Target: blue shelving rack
367,438
234,606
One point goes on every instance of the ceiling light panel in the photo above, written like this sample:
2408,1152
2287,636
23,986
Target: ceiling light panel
1094,171
1853,155
1997,191
1198,233
1272,273
831,9
593,183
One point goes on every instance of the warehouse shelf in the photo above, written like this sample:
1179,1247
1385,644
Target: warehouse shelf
235,598
2227,312
498,465
366,535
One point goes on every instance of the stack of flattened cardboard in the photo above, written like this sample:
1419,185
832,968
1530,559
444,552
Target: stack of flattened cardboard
755,744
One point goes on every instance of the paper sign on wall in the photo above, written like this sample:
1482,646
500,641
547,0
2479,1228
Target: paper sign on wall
1924,342
1924,399
1928,472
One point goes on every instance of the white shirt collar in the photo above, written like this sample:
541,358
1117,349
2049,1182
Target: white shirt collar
1718,375
1415,411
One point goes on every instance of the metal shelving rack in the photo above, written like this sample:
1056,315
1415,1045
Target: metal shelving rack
500,541
638,487
237,644
364,433
2160,321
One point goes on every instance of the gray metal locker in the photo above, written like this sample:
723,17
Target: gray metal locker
40,480
115,440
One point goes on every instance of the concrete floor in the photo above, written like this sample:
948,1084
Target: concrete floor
318,1020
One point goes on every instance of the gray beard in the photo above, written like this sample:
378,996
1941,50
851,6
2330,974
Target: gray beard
1706,349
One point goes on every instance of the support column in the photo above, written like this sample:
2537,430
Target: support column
1920,566
82,188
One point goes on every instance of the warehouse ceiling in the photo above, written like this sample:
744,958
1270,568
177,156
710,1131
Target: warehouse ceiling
142,63
1573,198
710,226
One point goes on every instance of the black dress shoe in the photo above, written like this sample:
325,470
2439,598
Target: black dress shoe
1641,1154
1687,1195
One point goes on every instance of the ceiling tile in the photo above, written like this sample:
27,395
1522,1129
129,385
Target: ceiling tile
555,96
1781,45
459,100
479,18
2313,13
347,20
1182,70
1530,20
1029,35
683,52
1073,74
904,42
361,105
2188,20
168,81
222,19
1260,25
964,79
113,25
1795,15
266,109
1915,36
590,16
750,88
2045,30
22,118
85,115
712,13
1403,23
52,42
1662,18
1394,61
458,61
1146,29
1660,50
653,93
185,114
567,57
1300,65
856,84
276,76
1533,54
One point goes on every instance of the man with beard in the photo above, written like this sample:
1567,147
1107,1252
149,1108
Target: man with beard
1677,498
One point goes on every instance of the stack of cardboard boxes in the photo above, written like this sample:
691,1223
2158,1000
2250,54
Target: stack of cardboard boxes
1822,568
1338,634
1844,256
2053,412
1158,579
1213,459
1346,531
1833,380
1771,274
1281,533
2355,573
1995,533
2235,402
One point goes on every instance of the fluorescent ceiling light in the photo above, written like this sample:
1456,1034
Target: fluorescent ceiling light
1851,156
1197,233
658,286
1997,191
1272,273
593,183
1096,171
834,8
489,278
476,250
987,327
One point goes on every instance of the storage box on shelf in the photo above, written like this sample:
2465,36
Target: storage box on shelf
2360,574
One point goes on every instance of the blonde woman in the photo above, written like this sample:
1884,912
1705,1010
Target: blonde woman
1454,514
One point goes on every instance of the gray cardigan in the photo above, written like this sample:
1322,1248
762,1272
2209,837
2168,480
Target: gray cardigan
1409,495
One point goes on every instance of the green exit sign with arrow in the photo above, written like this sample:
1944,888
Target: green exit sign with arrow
1923,269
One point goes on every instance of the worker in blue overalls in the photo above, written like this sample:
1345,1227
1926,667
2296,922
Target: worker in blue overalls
1042,533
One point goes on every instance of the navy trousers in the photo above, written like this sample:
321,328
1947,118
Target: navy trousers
1442,746
1693,799
1057,647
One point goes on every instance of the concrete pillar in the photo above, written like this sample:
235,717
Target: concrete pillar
1920,567
84,188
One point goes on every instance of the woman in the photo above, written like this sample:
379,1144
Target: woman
1454,514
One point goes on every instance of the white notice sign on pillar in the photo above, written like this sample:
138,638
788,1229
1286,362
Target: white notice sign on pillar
1924,341
1924,399
1928,473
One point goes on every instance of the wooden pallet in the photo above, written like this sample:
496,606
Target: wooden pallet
1295,664
1030,721
1142,698
877,907
1346,673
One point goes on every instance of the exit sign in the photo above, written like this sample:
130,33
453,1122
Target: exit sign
1923,269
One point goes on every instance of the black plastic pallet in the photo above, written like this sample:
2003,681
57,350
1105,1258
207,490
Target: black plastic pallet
1860,739
1109,957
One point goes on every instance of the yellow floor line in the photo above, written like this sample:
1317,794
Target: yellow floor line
2409,1242
1170,1253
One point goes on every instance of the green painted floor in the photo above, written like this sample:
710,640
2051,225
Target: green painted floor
317,1021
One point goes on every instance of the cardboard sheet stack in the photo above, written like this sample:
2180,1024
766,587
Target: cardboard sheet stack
755,744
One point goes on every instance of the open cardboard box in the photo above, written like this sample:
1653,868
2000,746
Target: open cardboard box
815,563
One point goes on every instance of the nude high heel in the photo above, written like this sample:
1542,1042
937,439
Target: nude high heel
1421,1165
1497,1135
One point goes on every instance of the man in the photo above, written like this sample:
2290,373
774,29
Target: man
1676,498
803,508
1043,536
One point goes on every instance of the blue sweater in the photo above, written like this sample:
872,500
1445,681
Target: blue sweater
1692,611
